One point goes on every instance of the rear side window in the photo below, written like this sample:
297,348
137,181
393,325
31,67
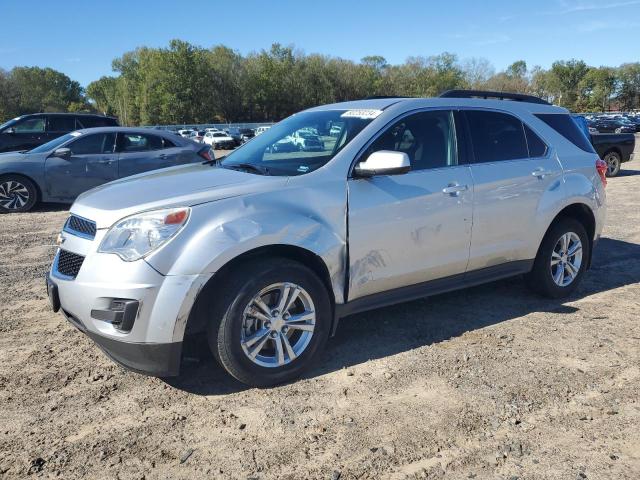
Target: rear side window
137,142
496,136
92,122
565,126
61,123
537,148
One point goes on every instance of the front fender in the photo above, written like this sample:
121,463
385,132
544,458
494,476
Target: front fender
313,219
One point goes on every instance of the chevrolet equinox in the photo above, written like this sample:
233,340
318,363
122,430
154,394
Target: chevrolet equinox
265,250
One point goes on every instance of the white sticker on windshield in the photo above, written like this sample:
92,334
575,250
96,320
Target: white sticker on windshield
362,113
75,134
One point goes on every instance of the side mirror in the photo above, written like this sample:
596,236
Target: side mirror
64,153
384,162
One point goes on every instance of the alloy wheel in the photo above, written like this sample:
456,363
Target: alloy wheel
612,163
278,324
566,259
13,195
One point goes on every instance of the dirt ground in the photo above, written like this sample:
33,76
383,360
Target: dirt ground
490,382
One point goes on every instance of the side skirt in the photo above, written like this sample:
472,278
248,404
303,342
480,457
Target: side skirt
432,287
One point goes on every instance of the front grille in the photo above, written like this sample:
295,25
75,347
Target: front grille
81,227
69,263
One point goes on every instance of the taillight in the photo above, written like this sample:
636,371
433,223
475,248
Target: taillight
207,154
601,167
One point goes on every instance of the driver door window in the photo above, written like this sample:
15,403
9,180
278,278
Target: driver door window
428,138
93,144
30,125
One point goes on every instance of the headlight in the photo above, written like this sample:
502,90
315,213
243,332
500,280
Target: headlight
138,235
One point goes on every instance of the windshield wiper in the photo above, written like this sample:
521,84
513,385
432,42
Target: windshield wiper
248,166
213,161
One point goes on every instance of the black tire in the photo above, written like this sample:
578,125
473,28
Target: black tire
540,279
614,163
240,287
17,194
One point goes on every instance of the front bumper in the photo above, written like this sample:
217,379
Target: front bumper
156,359
152,342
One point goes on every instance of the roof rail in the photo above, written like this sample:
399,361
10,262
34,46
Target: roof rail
382,97
518,97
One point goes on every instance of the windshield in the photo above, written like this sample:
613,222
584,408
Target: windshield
55,143
301,143
9,123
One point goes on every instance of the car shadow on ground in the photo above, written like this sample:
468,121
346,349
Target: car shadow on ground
628,173
51,207
399,328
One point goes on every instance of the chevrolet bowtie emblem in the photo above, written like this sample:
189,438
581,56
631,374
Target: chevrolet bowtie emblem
61,238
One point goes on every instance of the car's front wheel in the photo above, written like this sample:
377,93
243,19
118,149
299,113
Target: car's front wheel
274,320
561,260
17,194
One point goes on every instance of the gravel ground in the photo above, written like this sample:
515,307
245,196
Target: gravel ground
489,382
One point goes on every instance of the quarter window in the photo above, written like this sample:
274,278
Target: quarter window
496,136
99,143
565,126
428,138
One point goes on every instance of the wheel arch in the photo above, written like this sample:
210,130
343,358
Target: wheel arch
582,213
613,149
197,320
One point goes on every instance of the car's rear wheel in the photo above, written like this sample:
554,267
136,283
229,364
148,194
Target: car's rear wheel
17,194
614,162
561,260
275,317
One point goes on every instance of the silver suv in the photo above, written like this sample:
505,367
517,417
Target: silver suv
265,250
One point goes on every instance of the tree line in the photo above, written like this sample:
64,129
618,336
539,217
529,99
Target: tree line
184,83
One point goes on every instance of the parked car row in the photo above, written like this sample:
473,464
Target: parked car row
613,123
228,139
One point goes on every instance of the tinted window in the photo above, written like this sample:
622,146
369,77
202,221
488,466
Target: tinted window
92,122
93,144
138,142
427,137
167,143
537,148
61,123
565,126
30,125
496,136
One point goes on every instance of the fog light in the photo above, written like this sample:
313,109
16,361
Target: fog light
121,313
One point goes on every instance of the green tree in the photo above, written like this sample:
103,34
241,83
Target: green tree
569,75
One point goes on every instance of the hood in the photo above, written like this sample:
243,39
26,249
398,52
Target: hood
10,156
186,185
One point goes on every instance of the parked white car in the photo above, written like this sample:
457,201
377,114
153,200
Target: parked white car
219,139
262,129
185,132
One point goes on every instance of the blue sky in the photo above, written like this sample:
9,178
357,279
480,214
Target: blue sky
81,38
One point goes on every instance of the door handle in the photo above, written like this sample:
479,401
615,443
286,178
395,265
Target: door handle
454,189
162,155
541,172
106,162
